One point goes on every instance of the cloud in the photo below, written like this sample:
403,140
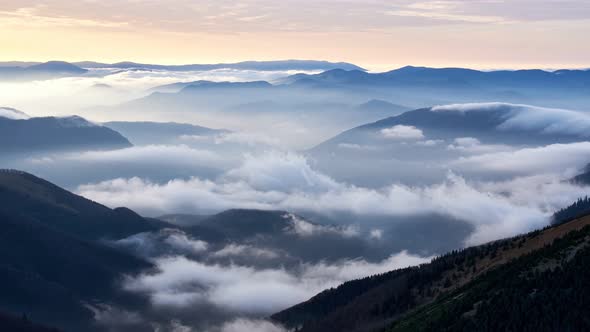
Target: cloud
285,181
401,132
247,325
445,16
114,318
304,228
12,114
244,290
376,234
163,242
75,95
234,249
517,117
251,139
146,154
430,142
359,147
473,145
278,171
554,158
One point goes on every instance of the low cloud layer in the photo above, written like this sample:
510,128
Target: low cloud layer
12,114
555,158
287,182
248,291
530,118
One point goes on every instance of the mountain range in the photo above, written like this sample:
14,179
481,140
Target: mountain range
39,71
246,65
449,77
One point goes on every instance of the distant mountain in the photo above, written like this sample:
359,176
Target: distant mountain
58,67
142,133
282,232
523,283
240,223
18,133
447,78
488,122
381,106
175,87
246,65
35,71
25,196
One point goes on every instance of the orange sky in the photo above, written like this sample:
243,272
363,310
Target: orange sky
372,33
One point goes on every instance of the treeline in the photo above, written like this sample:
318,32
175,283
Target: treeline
547,290
374,300
579,208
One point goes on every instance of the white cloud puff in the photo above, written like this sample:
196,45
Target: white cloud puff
249,325
181,282
304,228
401,132
237,250
474,146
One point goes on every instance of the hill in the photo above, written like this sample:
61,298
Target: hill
27,196
39,71
53,265
489,122
20,134
513,284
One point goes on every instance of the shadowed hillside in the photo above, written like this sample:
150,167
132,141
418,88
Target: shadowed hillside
466,290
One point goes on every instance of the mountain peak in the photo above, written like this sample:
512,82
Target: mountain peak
57,66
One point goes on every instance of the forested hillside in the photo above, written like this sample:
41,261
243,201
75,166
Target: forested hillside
471,289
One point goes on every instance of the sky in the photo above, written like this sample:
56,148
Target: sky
376,34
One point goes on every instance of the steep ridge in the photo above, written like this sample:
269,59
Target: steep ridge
376,302
25,195
545,290
53,276
54,266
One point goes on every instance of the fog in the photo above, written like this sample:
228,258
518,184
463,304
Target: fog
474,165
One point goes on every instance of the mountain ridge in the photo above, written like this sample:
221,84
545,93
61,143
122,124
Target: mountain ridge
26,134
